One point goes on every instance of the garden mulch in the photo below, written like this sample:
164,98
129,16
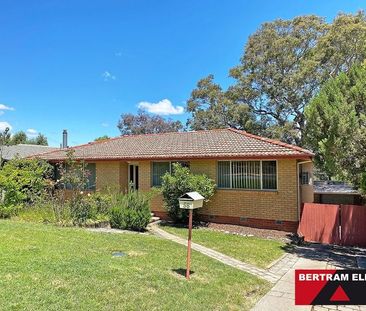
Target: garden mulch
247,231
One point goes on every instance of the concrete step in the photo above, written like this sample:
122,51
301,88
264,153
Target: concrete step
154,218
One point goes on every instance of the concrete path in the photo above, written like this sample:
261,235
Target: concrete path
282,296
273,274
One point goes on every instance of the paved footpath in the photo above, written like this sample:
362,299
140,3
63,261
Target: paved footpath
282,296
272,275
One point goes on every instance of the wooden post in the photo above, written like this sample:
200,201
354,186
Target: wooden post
189,244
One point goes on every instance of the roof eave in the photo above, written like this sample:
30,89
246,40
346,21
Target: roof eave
191,157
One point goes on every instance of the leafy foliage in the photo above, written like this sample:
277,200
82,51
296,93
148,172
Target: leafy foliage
100,138
336,125
21,138
144,123
23,180
180,181
285,62
4,141
73,173
39,140
132,212
213,108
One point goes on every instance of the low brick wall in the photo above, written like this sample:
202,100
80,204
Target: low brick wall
288,226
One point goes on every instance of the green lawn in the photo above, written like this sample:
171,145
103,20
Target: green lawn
44,267
256,251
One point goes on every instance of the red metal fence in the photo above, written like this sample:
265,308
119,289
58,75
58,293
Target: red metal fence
334,224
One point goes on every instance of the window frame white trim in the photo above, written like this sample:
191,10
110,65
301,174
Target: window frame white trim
247,189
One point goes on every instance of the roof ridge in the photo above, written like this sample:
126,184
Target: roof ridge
33,145
272,141
135,135
178,132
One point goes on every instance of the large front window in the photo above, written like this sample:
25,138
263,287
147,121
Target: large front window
261,175
159,169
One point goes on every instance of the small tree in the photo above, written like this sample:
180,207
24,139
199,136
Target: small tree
4,141
73,176
73,173
180,181
145,123
19,138
39,140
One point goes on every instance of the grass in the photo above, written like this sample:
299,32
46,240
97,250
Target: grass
44,267
253,250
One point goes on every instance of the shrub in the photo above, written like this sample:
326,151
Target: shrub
73,174
132,212
81,210
180,181
7,211
101,203
23,181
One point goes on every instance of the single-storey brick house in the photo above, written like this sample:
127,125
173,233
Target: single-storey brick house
260,182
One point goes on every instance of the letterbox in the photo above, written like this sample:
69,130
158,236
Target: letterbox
191,200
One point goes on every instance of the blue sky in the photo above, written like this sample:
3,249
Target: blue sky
80,64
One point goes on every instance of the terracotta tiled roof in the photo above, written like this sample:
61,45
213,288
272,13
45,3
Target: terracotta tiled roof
220,143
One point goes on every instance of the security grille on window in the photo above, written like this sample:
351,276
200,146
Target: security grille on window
253,175
305,178
160,168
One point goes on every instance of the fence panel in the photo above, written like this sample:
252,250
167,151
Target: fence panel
353,224
320,223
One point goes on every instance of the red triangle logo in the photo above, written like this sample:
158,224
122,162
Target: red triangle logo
339,295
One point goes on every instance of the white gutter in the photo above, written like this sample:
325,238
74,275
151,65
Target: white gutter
298,187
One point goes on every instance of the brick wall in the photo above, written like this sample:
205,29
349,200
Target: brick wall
108,175
270,209
276,205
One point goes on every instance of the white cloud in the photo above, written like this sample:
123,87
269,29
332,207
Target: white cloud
163,107
31,132
107,76
4,107
4,125
104,124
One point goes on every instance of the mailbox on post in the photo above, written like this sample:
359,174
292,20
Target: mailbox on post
190,201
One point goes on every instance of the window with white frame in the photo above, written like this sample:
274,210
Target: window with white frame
159,169
261,175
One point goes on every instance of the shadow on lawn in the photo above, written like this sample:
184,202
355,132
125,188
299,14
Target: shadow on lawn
182,271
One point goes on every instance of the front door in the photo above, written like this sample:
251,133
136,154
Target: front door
133,176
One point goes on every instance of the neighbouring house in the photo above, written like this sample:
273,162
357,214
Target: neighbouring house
336,192
23,151
260,182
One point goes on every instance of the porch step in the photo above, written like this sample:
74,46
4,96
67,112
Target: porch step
154,218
